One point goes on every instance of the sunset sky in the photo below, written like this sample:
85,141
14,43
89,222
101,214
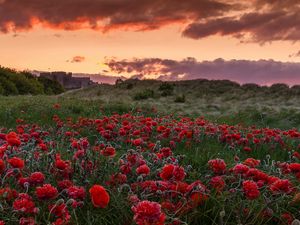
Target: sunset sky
246,41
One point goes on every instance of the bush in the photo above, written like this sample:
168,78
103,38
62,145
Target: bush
180,98
166,89
250,87
129,86
1,90
275,88
9,88
23,83
148,93
222,86
36,87
51,86
295,89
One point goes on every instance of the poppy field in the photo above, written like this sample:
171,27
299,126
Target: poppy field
147,169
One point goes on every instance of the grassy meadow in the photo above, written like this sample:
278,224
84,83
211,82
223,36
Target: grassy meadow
150,152
222,102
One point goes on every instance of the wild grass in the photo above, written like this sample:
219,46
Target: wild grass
232,106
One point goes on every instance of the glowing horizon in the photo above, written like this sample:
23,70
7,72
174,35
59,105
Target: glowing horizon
82,36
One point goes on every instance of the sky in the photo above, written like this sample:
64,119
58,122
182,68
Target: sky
248,41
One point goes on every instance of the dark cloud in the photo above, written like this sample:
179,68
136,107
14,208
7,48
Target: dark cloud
77,59
249,20
243,71
105,14
271,21
297,54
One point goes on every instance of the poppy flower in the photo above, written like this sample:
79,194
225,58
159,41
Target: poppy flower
250,189
171,171
16,162
13,139
46,192
143,169
24,204
148,213
198,198
109,151
76,192
281,186
2,166
137,142
100,197
251,162
218,166
37,178
217,183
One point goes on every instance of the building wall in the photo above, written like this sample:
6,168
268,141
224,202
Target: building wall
67,81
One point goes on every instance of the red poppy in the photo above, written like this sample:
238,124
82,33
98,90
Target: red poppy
16,162
24,204
100,197
250,189
13,139
109,151
37,178
217,182
46,192
252,162
198,198
2,166
148,213
76,192
143,169
217,165
171,171
281,186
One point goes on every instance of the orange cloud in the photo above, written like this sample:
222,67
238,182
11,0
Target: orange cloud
255,20
104,15
77,59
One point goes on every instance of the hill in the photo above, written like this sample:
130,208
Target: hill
216,98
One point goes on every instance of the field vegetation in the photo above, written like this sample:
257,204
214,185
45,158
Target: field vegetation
151,153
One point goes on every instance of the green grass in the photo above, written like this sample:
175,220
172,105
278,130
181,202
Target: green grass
39,109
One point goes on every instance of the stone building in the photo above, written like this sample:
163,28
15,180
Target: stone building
67,80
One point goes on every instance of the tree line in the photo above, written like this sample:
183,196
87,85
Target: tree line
13,82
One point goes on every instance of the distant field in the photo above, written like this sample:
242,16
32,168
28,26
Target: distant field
231,104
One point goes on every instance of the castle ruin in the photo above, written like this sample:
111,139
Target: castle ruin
67,80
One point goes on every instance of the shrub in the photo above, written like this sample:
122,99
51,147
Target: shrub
222,86
295,89
166,89
51,86
180,98
275,88
22,83
9,88
250,87
1,90
147,93
99,93
129,86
